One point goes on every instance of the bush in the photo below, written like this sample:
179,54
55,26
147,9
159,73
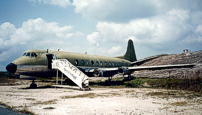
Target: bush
134,83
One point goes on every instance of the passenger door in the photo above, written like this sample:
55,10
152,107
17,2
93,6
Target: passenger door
49,60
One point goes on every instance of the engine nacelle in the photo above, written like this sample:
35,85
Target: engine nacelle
101,73
97,73
123,70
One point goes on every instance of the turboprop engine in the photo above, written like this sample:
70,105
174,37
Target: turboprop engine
123,70
97,73
100,73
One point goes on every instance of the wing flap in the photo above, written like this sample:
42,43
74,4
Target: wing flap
104,69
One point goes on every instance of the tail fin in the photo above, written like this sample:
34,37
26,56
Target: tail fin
130,53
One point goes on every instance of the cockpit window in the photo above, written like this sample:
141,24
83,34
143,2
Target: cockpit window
24,54
30,54
33,54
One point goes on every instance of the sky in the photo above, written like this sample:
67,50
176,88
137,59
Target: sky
99,27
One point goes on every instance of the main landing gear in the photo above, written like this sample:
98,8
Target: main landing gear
33,84
130,77
109,78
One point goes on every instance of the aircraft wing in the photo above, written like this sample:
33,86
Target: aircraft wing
128,70
105,69
161,67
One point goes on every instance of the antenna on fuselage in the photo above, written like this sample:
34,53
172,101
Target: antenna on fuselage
47,51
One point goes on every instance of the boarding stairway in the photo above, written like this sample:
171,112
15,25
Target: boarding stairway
72,72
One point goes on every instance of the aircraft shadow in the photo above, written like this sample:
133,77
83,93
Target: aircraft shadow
91,83
109,83
39,87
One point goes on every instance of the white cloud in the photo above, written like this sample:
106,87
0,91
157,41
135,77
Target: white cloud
199,29
37,29
61,3
124,11
195,37
94,38
113,10
179,13
6,29
114,50
156,24
34,34
106,50
153,25
158,32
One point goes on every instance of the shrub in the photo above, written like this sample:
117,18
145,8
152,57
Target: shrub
134,83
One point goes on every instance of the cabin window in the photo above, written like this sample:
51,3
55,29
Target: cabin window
118,64
105,63
101,63
77,62
109,63
92,62
87,62
112,63
122,63
97,63
82,62
115,64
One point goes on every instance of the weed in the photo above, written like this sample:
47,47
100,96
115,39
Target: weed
90,95
155,94
134,83
26,111
45,102
32,99
181,103
129,91
6,106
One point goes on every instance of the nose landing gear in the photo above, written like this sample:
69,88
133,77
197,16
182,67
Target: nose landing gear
33,84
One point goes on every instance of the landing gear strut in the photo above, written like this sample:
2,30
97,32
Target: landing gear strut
129,77
110,78
33,84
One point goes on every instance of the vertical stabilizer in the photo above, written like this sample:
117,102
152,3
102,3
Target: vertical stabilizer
130,52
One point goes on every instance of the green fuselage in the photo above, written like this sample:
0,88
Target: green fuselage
39,61
38,57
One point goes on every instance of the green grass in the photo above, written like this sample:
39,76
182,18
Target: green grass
181,103
178,84
116,83
92,95
24,110
89,95
45,102
133,83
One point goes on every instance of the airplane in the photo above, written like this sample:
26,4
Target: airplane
38,63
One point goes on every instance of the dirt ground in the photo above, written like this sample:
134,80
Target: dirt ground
52,101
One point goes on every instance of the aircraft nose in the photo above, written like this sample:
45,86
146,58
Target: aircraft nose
11,68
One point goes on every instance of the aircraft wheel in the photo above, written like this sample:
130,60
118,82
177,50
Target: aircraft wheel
129,77
33,85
